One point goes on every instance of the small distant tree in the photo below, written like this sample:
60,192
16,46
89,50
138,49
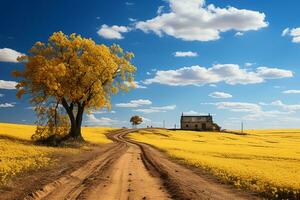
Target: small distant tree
74,73
136,120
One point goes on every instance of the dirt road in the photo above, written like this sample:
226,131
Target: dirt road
131,170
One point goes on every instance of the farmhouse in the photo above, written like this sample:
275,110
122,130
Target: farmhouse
198,123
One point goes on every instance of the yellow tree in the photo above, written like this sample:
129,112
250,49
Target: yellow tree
76,73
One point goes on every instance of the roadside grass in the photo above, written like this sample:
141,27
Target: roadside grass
19,154
264,161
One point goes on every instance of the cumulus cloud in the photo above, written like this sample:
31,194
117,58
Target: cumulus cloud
285,32
288,107
294,33
193,20
103,112
220,95
291,92
160,10
134,103
185,54
156,109
103,121
239,34
248,64
238,106
129,3
253,111
132,19
135,84
7,105
273,73
9,85
112,32
9,55
229,73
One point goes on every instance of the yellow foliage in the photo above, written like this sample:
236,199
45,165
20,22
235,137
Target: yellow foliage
17,157
76,69
264,161
76,73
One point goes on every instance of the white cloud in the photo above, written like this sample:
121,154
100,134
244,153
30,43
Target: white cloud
129,3
285,32
291,108
1,95
103,112
146,119
193,20
291,92
134,103
220,95
7,105
98,17
160,10
192,112
254,112
266,115
148,73
273,73
239,34
248,64
132,19
9,55
185,54
112,32
229,73
294,33
92,120
135,85
238,106
156,109
212,85
9,85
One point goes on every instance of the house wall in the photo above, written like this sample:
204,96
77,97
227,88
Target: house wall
196,126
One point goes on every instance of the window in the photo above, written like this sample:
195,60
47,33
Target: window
196,126
187,125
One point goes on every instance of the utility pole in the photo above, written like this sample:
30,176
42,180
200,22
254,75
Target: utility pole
164,123
242,127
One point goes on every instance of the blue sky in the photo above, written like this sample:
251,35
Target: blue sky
238,60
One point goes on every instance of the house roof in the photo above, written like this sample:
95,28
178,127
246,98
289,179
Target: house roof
191,118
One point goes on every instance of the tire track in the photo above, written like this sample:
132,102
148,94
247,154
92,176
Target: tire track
70,186
183,183
129,170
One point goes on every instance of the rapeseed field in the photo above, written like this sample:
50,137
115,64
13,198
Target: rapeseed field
264,161
18,154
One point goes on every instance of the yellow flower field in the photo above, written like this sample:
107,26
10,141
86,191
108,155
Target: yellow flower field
19,154
264,161
24,132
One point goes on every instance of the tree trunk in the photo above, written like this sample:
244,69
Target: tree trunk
75,131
